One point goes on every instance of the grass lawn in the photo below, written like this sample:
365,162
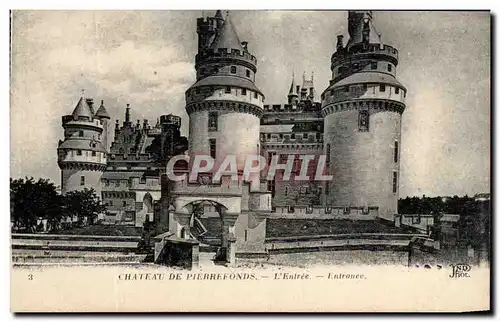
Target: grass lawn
103,230
312,227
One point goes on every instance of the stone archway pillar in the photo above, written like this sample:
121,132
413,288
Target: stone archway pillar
228,237
183,217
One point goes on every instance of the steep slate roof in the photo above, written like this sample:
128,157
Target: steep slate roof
82,144
82,109
227,37
227,80
368,77
101,111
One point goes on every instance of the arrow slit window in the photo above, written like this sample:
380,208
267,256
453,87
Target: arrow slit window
364,121
212,121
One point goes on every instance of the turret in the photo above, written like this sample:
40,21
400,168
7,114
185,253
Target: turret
103,115
81,155
367,100
225,94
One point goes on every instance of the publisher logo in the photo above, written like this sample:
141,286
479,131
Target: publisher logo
460,270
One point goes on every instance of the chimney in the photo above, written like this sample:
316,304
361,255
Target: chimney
340,42
127,114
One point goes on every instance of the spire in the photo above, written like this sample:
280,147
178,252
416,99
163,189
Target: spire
218,15
293,88
82,109
227,37
101,111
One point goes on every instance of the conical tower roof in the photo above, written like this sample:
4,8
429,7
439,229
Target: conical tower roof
101,111
82,109
227,37
356,25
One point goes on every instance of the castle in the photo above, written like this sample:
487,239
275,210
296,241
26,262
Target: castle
355,122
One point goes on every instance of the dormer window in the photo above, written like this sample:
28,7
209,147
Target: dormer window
80,134
248,73
389,68
382,87
255,95
228,89
233,69
244,91
396,90
374,65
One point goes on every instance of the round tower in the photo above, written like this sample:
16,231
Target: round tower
362,109
103,115
81,156
224,105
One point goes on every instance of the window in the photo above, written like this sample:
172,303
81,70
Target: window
394,182
365,87
244,91
382,87
292,136
269,157
396,151
82,180
79,152
346,89
246,234
327,163
93,153
213,145
255,95
233,69
271,186
80,133
212,121
248,73
374,65
364,121
228,89
389,67
286,191
124,203
396,90
142,180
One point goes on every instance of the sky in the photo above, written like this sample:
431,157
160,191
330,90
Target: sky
146,59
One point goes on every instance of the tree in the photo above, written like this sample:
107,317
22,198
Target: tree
83,204
33,200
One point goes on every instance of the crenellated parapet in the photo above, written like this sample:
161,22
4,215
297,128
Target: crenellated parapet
226,55
361,52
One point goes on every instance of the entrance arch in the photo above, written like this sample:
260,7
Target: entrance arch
210,222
